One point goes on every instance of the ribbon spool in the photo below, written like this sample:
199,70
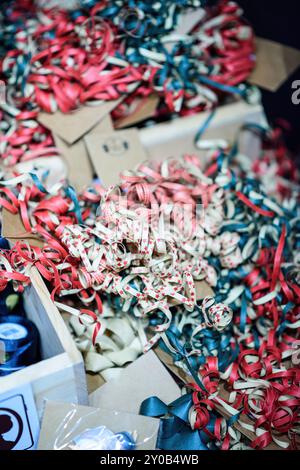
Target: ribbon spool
19,339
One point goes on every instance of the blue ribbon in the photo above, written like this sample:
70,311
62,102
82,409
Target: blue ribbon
220,86
216,343
71,193
175,432
182,355
126,440
243,317
38,182
204,126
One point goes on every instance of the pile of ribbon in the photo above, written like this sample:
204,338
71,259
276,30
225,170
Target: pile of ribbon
143,245
129,258
60,59
54,59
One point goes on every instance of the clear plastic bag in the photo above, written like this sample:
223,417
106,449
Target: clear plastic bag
67,426
102,438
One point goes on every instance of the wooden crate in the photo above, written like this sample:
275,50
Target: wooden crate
176,138
60,375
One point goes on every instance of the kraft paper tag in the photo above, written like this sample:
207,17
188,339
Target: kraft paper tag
80,168
274,64
104,126
115,152
14,230
71,127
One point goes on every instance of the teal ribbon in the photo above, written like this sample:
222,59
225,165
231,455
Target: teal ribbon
71,193
175,432
204,126
38,182
220,86
182,355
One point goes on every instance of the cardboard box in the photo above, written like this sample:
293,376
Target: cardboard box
162,141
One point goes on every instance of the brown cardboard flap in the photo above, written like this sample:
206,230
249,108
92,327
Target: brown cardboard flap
274,64
167,360
14,230
115,152
94,381
80,169
145,111
104,126
71,127
132,386
203,289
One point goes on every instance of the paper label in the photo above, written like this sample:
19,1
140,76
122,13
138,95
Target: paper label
115,152
19,424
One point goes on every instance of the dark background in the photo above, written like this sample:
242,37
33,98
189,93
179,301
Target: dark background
278,21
